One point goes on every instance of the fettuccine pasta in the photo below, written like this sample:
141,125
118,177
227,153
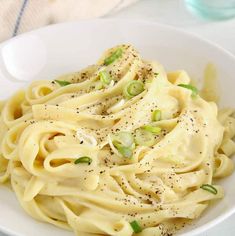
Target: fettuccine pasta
120,148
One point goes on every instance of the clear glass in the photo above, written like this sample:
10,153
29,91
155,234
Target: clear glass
214,9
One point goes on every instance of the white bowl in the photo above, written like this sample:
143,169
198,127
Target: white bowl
62,48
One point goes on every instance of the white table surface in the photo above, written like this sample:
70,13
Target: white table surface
173,12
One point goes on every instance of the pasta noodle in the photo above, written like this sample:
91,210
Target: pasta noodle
118,148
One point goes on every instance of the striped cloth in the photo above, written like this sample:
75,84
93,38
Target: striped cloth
18,16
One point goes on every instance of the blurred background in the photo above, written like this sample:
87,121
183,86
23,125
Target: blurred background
212,19
179,13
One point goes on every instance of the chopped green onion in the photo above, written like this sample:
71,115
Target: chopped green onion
133,88
84,159
209,188
114,56
104,77
152,129
124,142
144,138
191,87
62,82
124,138
156,115
124,151
156,74
136,227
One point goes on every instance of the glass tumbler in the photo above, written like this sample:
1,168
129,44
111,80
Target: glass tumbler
213,9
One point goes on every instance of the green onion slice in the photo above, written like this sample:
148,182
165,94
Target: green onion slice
124,142
114,56
84,159
104,77
124,151
191,87
144,138
156,115
133,88
62,82
209,188
152,129
123,138
136,227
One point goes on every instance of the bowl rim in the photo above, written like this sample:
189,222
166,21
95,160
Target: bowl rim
165,27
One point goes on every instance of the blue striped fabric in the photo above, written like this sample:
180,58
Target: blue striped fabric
19,17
